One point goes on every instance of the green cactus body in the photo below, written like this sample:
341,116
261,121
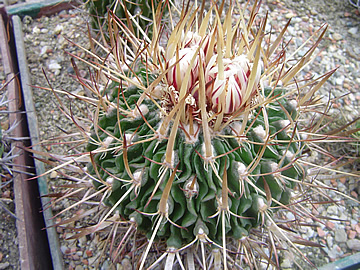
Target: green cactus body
191,207
121,9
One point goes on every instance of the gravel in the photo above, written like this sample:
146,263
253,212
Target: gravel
339,235
9,253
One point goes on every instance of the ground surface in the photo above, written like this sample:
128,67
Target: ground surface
46,44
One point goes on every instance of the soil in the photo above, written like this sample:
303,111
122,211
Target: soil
9,254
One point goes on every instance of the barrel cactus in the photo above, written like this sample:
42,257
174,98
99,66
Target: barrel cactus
138,12
197,141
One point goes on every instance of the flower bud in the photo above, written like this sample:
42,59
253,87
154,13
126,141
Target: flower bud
234,82
177,71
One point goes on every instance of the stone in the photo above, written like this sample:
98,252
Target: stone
354,194
302,52
27,19
330,225
320,232
340,236
53,174
126,263
353,31
357,228
291,31
64,249
4,265
351,234
286,263
89,253
58,29
289,15
82,241
36,30
332,209
91,260
353,244
43,50
313,12
309,233
337,36
305,18
329,240
105,265
290,216
335,252
54,66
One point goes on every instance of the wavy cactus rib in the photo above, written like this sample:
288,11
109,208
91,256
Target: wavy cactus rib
196,192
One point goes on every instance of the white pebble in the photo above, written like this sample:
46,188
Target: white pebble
54,66
339,81
353,31
332,210
354,244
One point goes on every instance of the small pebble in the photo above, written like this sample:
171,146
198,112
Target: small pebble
354,194
89,253
337,36
335,252
53,174
313,12
27,19
339,81
64,249
329,240
290,15
330,225
58,29
4,265
354,244
91,260
36,31
357,228
332,210
351,234
320,232
340,236
54,66
286,263
353,31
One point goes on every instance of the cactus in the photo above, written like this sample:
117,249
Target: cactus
139,9
198,143
7,151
